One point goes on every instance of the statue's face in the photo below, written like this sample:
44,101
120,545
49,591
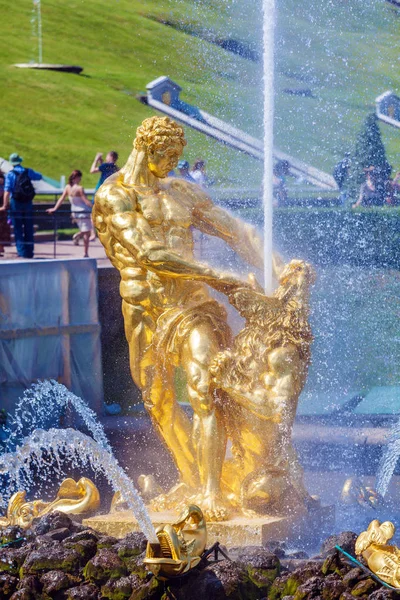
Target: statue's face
162,162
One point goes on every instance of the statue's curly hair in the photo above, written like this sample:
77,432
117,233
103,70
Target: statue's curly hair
158,134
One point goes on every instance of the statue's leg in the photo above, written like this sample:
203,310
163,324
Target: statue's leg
200,346
170,421
158,391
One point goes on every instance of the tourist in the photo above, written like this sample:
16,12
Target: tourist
340,175
5,233
81,207
369,194
183,167
106,168
19,194
198,172
280,171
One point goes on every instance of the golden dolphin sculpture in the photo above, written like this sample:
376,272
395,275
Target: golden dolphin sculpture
382,558
180,545
73,497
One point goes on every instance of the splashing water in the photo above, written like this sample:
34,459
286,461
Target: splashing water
388,460
44,403
47,450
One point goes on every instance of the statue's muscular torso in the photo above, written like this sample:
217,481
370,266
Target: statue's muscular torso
161,218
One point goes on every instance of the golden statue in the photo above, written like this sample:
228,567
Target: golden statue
382,558
73,497
180,545
144,220
263,374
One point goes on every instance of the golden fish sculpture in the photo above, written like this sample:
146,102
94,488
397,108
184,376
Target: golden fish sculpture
73,497
382,558
180,547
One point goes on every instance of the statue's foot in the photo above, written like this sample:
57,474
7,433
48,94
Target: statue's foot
177,497
213,506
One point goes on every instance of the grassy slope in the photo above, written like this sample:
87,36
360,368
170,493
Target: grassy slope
347,56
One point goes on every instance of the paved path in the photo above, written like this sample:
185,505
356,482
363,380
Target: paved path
64,250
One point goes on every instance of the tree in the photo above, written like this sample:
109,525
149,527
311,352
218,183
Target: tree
369,152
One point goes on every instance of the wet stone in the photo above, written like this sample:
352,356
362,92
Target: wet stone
51,522
107,541
54,581
346,540
49,559
86,534
85,548
353,576
365,587
57,534
312,588
120,589
105,565
226,579
11,559
384,594
23,595
333,587
132,545
8,585
11,533
84,592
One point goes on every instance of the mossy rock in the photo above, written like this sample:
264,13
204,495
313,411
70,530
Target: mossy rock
312,588
83,592
332,563
85,548
150,590
11,559
8,585
120,589
364,588
50,559
105,565
286,585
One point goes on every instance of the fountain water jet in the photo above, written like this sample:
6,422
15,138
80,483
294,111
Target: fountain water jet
80,450
46,401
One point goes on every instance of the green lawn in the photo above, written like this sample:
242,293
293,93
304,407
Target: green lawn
344,52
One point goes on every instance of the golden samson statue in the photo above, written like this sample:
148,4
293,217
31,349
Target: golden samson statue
245,389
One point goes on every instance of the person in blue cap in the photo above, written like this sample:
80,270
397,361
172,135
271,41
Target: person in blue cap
183,167
18,195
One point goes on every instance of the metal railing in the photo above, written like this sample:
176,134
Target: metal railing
42,223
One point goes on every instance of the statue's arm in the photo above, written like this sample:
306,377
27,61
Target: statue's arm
242,237
133,232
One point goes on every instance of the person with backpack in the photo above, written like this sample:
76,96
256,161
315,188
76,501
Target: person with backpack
19,194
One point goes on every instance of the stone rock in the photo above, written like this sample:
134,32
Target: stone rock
11,559
346,596
333,587
11,533
51,558
121,589
50,522
346,540
132,545
353,576
277,548
332,563
298,555
8,585
153,590
312,588
107,541
83,592
220,581
55,535
85,548
23,595
86,534
365,587
105,565
384,594
262,566
54,581
30,582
